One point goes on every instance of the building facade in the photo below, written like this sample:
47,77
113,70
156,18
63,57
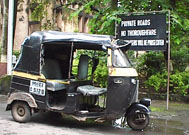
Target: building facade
57,18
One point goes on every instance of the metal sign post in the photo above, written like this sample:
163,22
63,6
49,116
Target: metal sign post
168,61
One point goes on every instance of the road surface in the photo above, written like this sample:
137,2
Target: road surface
45,124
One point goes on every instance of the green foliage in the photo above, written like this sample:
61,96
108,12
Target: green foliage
179,82
39,12
152,66
103,21
47,25
157,81
105,12
38,9
180,58
157,109
150,63
16,53
101,73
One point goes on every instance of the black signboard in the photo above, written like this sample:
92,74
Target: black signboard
146,32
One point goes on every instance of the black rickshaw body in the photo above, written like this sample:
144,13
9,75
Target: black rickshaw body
39,84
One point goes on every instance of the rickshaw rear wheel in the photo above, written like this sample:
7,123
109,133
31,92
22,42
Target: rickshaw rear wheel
21,112
138,121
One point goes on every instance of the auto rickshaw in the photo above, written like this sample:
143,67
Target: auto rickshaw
43,80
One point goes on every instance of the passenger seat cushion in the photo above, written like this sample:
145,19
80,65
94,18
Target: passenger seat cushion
91,90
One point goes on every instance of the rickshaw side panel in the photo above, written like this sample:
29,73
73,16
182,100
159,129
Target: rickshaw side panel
119,96
22,85
29,60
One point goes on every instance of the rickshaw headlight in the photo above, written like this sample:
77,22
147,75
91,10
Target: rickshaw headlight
133,81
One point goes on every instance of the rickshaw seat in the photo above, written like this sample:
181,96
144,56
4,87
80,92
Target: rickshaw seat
51,70
55,85
83,67
88,90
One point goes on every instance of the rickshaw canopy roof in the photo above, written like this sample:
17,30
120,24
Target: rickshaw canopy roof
29,60
55,36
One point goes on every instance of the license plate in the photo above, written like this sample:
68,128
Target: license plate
37,88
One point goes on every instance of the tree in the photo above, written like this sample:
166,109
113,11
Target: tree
3,57
103,22
39,12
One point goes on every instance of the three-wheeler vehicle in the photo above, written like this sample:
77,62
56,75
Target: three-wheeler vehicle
49,76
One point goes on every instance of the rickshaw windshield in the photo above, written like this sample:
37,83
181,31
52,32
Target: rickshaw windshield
120,59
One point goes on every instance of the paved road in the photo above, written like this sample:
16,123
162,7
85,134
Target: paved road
45,124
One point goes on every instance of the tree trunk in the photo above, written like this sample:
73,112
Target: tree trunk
3,57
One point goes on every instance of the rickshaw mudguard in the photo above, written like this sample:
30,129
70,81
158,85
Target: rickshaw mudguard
137,107
21,96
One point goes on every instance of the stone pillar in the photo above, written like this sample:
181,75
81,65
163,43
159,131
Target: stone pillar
21,25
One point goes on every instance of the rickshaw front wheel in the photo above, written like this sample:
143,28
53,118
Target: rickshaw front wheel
138,121
21,112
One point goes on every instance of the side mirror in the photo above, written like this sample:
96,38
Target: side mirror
122,44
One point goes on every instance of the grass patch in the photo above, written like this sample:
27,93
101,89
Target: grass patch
157,109
175,108
5,84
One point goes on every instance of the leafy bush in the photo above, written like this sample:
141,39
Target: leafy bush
180,58
179,82
157,81
101,73
150,63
